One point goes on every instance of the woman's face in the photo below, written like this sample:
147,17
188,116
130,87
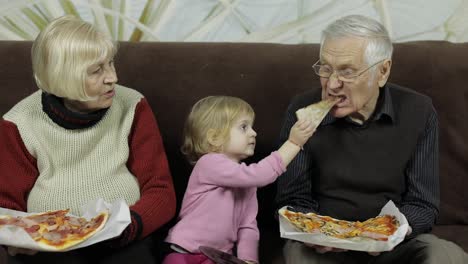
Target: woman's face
100,83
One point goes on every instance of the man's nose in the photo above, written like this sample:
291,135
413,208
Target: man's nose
334,82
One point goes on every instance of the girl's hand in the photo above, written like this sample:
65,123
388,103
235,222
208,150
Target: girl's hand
300,132
13,251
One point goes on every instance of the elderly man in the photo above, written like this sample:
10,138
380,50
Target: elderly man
378,143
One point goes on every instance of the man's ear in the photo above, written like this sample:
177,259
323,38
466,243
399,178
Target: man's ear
384,72
213,138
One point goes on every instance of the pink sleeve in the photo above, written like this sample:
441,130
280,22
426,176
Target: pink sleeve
248,234
220,171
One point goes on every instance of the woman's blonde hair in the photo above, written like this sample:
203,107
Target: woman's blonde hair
211,115
62,54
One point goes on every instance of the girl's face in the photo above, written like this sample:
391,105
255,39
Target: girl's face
100,83
241,142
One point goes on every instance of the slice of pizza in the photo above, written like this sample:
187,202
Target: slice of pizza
378,228
55,230
315,113
314,223
308,223
338,228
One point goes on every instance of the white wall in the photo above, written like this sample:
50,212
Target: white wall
281,21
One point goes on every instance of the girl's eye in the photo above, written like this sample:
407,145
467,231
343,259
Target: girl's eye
244,127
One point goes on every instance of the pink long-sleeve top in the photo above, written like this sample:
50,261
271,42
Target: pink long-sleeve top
220,206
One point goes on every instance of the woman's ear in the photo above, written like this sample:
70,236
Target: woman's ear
384,72
213,138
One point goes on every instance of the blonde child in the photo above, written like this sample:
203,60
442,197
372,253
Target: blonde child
219,208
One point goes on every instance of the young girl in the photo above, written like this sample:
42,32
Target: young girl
219,208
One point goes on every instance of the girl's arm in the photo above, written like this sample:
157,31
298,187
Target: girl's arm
300,132
218,170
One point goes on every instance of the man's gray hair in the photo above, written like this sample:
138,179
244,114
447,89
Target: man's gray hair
379,45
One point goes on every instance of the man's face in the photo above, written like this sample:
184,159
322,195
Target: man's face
357,98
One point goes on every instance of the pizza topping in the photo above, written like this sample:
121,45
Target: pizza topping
26,221
32,229
52,237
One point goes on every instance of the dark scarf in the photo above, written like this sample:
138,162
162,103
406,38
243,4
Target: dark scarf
55,108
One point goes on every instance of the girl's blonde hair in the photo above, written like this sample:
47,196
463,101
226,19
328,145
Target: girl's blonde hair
62,54
215,114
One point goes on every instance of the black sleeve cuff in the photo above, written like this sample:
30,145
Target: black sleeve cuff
131,233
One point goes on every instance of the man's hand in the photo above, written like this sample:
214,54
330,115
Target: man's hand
410,230
324,249
13,251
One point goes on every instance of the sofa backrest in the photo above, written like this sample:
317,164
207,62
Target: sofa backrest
173,76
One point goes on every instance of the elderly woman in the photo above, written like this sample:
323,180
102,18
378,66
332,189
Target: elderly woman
83,137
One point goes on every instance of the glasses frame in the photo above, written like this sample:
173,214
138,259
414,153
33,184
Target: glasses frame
339,77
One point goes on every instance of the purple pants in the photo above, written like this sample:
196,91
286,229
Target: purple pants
181,258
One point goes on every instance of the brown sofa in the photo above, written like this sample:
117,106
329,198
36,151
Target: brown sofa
175,75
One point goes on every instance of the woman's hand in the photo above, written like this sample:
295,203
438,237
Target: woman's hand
13,251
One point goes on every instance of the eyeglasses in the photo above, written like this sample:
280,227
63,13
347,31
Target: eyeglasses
346,75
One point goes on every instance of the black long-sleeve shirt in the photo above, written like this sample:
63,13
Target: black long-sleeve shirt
350,171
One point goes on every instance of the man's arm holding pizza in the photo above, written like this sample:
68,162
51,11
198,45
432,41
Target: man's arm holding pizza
420,203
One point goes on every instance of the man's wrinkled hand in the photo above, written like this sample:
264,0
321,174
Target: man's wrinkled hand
13,251
410,230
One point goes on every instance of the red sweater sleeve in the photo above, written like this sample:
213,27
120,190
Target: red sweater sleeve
18,168
148,162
